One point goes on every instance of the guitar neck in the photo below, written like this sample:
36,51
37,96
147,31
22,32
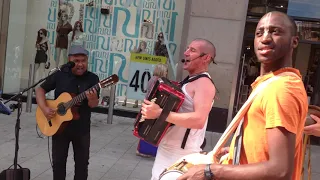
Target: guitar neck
80,97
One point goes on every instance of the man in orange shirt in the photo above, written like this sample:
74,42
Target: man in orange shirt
273,126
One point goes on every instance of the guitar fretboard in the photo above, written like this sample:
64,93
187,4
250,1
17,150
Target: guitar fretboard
80,97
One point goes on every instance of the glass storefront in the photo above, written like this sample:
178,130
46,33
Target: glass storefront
306,56
112,30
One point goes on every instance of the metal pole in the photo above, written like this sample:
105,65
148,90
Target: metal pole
30,82
111,104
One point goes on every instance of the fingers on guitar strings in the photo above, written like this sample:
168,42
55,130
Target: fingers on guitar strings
144,109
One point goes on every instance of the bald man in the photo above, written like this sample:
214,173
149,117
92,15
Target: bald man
193,114
273,126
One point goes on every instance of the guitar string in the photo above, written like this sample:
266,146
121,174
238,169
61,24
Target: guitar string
78,98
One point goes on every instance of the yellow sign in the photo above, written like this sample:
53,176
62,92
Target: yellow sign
147,58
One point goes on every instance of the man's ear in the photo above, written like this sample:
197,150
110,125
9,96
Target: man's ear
209,58
295,41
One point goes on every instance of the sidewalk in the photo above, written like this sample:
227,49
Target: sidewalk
112,153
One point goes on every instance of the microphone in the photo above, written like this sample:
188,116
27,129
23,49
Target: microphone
188,60
68,65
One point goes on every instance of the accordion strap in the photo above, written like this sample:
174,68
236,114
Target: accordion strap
188,79
185,81
185,138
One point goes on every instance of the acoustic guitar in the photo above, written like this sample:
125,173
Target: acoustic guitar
65,109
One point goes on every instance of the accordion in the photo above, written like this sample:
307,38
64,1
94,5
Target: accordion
169,97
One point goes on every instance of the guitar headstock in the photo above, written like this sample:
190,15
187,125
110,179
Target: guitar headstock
113,79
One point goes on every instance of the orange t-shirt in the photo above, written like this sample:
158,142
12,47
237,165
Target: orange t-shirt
283,103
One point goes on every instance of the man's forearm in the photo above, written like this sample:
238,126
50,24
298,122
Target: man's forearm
41,98
262,171
187,120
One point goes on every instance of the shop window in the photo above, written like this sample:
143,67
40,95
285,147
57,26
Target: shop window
309,31
260,7
110,29
305,57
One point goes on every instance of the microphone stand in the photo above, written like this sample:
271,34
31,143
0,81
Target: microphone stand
18,106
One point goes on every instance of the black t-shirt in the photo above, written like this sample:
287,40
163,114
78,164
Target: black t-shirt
68,82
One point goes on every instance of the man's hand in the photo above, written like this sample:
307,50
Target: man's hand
92,97
194,173
48,112
313,129
150,110
222,152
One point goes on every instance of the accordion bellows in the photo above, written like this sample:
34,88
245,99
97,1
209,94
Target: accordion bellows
169,97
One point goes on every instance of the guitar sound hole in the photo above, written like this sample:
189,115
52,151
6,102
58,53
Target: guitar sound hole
61,109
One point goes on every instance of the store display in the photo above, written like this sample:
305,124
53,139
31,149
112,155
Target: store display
65,14
77,37
309,31
63,29
160,48
43,52
311,76
147,29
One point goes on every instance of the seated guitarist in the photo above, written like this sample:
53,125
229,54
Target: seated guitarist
74,81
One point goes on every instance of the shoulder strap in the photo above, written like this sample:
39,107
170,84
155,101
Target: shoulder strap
241,113
185,81
188,79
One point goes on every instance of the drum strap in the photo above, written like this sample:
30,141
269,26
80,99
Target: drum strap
237,122
185,81
239,132
306,150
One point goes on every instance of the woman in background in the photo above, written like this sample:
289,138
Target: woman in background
145,149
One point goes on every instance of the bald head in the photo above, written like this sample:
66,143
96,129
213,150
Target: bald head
291,24
275,39
207,47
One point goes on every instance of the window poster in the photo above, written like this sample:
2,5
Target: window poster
116,28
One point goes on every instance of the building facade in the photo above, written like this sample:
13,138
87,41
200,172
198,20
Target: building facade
115,31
